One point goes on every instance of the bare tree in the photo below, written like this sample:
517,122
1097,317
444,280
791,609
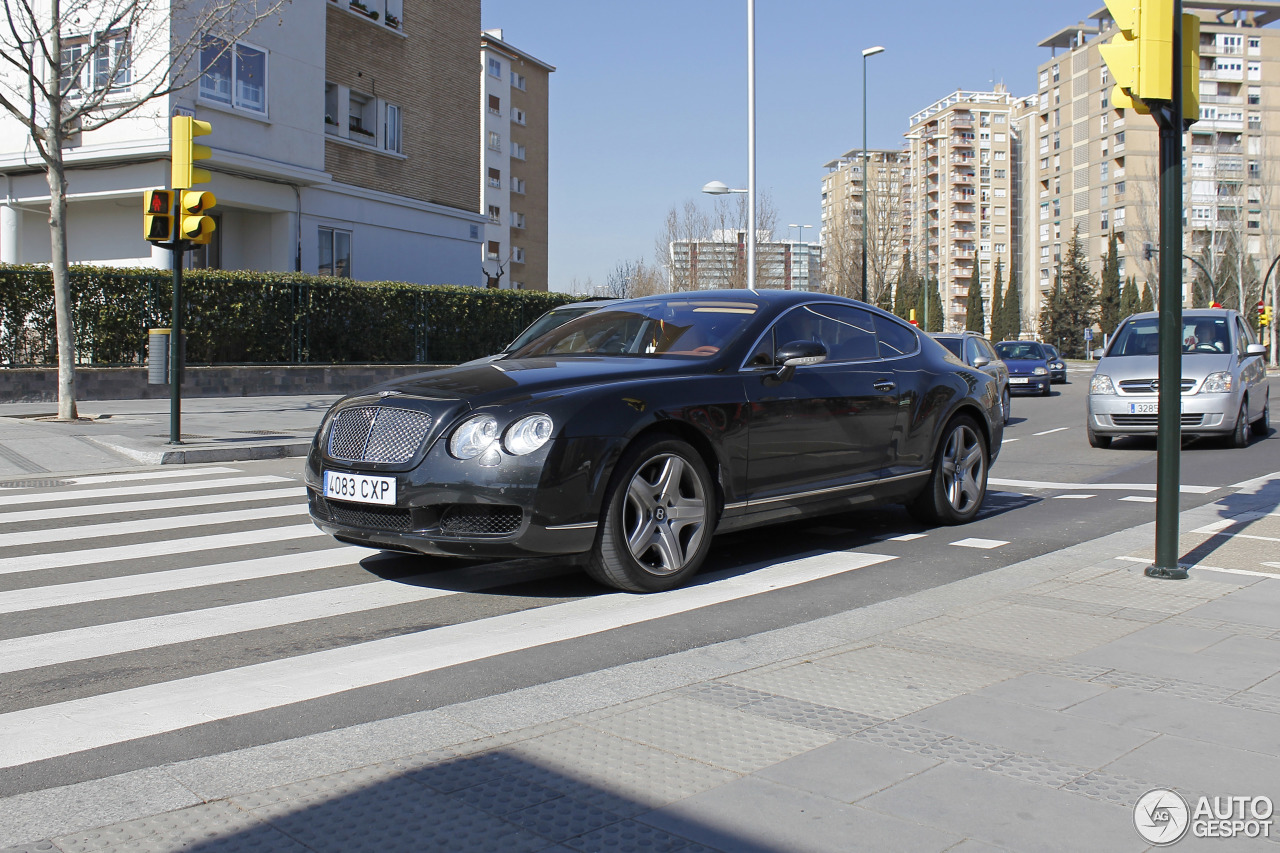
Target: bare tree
74,66
723,228
632,278
842,235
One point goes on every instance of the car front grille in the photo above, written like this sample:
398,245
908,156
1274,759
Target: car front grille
1153,420
480,520
377,434
361,515
1150,386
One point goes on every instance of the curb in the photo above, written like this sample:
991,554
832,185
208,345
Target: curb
193,454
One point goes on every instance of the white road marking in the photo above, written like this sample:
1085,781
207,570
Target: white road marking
1134,487
65,559
100,640
154,488
1009,440
166,474
985,544
906,537
126,528
1048,431
1257,481
64,728
164,504
1140,499
83,592
1073,497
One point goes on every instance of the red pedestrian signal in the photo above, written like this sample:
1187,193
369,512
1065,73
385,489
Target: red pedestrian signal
157,216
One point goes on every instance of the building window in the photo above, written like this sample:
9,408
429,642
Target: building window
108,69
495,105
493,250
495,214
1255,46
517,185
1255,70
517,151
391,129
517,116
235,74
360,118
517,255
495,179
517,81
495,68
1255,95
495,141
330,107
517,220
335,252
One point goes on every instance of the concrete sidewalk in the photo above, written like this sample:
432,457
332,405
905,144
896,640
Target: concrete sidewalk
115,434
1027,708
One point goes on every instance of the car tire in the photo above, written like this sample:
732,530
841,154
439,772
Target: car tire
659,517
1262,426
1240,435
958,484
1095,440
1006,404
1046,390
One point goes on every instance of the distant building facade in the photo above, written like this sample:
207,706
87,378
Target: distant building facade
721,262
844,192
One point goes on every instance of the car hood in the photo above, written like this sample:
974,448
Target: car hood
1023,365
1194,366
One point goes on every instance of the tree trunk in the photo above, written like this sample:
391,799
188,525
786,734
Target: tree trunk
62,288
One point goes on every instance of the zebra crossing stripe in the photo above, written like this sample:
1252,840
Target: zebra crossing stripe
86,592
166,474
126,528
87,556
40,733
162,504
56,495
100,640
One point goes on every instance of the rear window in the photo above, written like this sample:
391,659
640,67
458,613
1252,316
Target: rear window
953,344
1015,350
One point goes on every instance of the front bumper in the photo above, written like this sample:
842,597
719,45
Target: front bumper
543,504
1202,414
1031,385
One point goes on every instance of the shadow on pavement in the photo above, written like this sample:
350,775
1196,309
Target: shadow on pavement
1242,508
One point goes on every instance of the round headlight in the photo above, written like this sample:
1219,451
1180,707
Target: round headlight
527,434
473,437
1040,371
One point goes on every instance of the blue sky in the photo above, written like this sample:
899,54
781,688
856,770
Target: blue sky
649,99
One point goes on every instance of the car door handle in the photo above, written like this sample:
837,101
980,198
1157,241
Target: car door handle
884,385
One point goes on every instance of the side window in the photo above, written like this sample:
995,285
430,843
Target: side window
1244,337
896,339
847,333
972,352
984,347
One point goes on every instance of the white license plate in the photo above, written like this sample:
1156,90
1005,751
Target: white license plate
359,488
1144,408
1018,380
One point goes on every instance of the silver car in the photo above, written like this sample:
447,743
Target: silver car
1224,379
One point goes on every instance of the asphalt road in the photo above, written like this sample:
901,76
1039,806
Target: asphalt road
169,614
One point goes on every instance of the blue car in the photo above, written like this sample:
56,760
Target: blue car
1028,365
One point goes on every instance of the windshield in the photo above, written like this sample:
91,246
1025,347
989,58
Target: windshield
554,318
1014,350
697,328
953,344
1199,335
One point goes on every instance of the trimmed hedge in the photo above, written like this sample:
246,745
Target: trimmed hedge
235,317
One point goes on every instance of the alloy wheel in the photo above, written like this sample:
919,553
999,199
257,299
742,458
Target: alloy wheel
664,514
962,468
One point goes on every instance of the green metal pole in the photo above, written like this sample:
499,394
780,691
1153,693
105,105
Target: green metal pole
175,349
1168,117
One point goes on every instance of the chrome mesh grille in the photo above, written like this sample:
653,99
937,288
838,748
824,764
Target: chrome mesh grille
480,520
1150,386
361,515
377,434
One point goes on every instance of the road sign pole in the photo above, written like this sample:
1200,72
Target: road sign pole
1168,116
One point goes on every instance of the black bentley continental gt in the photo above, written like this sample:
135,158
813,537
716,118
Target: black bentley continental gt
632,434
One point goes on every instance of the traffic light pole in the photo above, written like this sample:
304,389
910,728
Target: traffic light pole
179,249
1168,116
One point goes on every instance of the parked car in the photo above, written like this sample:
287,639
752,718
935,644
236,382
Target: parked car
634,433
1225,390
554,318
1057,367
1028,364
976,351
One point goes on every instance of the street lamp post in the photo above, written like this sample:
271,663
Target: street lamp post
720,188
866,184
799,240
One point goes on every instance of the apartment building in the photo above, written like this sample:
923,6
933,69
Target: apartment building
721,262
343,143
844,192
1095,168
514,137
963,152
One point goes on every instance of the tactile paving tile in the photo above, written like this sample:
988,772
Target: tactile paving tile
628,836
837,721
719,693
1074,671
1137,614
1195,690
1117,597
1032,630
1254,702
1196,622
1032,768
505,794
1135,680
721,737
1006,659
620,766
903,736
202,824
33,847
1113,789
334,783
1053,602
970,753
1192,587
864,693
1088,573
454,774
562,818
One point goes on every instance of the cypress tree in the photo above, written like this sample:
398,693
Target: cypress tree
1012,325
906,296
1147,303
1129,299
997,304
1079,303
974,321
1051,311
1109,315
935,308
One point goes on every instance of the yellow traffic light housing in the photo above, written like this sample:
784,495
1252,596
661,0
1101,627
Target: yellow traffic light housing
157,216
1190,69
194,224
184,174
1140,55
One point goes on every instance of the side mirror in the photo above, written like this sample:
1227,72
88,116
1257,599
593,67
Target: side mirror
1256,349
798,354
981,362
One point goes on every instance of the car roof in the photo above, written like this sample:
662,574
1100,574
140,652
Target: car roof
1187,312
